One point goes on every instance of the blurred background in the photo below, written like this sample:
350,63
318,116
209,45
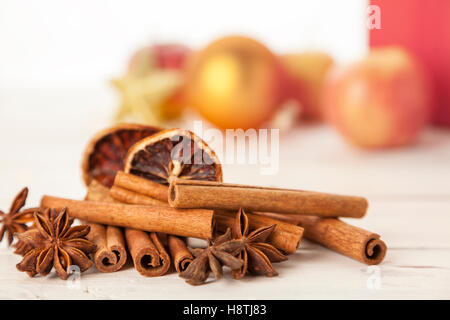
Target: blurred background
62,44
359,91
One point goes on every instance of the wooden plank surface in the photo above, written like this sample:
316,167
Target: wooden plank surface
312,273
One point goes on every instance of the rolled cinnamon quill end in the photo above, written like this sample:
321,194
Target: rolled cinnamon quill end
215,195
354,242
141,185
196,223
149,256
286,236
111,254
179,252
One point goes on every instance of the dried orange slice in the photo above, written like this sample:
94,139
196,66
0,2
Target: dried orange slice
173,153
105,153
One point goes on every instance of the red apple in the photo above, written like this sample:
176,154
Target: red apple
379,102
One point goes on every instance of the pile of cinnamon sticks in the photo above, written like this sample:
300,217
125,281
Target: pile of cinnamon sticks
150,218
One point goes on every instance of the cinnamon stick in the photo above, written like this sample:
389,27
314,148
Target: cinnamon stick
335,234
196,223
141,185
286,236
177,247
354,242
111,254
179,253
215,195
132,197
148,253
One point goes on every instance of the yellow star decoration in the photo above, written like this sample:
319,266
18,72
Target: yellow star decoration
144,95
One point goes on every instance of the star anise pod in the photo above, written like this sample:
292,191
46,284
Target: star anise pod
257,255
23,247
220,252
56,244
16,220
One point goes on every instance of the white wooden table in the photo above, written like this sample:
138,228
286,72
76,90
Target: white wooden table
42,135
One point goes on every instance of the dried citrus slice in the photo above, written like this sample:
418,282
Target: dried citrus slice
105,153
173,153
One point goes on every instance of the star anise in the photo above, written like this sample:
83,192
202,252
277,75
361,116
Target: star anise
16,220
257,255
23,247
220,252
56,244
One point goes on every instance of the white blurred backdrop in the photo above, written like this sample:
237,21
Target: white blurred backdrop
66,44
